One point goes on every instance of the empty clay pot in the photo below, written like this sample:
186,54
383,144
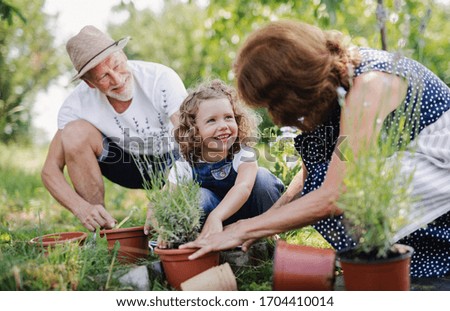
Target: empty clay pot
219,278
178,268
378,274
133,243
298,267
53,239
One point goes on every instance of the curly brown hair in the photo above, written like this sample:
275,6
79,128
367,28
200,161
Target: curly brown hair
294,69
186,134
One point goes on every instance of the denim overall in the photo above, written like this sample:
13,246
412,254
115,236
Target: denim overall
216,179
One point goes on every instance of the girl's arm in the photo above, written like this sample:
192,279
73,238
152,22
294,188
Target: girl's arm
233,200
373,96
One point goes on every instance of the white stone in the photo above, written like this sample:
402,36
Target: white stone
137,277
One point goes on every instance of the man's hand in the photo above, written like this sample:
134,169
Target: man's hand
94,216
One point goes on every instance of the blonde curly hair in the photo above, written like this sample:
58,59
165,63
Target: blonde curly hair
186,134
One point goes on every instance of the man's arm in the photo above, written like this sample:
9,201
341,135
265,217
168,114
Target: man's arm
91,216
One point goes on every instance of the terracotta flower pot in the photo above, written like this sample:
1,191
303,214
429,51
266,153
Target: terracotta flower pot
298,267
53,239
178,268
378,274
219,278
133,243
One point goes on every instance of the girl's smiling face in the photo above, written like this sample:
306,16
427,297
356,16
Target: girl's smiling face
217,127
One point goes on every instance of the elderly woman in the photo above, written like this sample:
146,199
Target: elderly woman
296,71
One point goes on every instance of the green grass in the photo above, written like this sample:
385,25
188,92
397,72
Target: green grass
27,210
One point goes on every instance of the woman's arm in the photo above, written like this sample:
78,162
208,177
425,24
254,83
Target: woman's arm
233,200
373,96
294,190
306,210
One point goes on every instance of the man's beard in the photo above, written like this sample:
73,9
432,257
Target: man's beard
126,94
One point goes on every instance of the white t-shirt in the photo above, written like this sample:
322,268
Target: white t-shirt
183,169
145,126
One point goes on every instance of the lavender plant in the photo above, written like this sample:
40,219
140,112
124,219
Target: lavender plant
377,195
176,212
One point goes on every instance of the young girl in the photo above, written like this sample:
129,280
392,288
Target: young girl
214,134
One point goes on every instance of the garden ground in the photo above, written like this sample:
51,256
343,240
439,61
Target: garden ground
27,210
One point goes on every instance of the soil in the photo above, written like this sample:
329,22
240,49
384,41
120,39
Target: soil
394,252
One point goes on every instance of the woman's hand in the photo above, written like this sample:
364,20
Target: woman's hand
212,225
229,238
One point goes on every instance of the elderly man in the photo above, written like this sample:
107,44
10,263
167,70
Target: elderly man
121,111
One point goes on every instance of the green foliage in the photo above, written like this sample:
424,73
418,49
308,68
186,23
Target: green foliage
305,236
200,41
176,210
172,37
64,267
376,202
28,62
416,27
283,161
7,11
282,153
255,278
377,196
134,218
27,211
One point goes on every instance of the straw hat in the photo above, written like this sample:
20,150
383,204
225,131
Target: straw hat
90,47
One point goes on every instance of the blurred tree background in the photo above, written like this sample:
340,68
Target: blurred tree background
199,39
29,61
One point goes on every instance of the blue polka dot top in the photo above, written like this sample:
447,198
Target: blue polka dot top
431,244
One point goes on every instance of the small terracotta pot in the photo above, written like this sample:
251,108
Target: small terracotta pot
298,267
133,243
178,268
385,274
219,278
53,239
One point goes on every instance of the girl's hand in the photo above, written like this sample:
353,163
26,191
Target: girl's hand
148,226
149,219
212,225
160,243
